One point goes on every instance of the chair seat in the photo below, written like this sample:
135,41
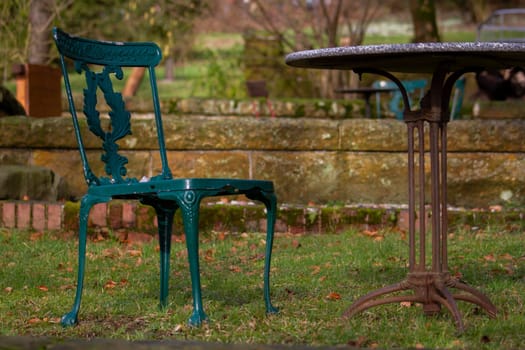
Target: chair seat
155,186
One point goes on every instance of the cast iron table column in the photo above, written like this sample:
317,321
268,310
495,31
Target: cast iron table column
428,276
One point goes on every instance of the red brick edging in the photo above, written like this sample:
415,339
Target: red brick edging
131,215
32,215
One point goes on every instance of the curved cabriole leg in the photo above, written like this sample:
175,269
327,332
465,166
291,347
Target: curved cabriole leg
444,297
369,300
477,297
165,211
190,215
270,201
87,202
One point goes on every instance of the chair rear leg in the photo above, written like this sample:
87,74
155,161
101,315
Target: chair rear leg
165,212
87,202
270,201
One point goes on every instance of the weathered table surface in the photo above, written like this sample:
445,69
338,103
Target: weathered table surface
413,57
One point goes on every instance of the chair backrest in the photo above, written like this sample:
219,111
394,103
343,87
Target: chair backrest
102,62
457,98
414,88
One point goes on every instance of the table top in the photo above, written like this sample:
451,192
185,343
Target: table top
413,57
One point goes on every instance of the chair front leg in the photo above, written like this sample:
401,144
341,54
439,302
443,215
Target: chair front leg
190,214
87,202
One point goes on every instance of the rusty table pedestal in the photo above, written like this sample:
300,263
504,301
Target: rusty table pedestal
428,277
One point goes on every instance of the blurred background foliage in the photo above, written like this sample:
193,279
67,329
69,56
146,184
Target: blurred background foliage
204,41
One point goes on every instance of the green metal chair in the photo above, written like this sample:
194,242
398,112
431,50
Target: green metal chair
415,90
164,193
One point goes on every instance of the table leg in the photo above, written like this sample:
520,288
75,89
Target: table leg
429,280
368,109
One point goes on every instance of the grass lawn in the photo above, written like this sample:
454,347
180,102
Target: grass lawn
311,286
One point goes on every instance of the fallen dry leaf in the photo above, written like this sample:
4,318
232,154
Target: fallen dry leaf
98,238
333,296
506,256
315,269
135,252
110,284
8,289
489,257
370,233
43,288
234,268
208,255
374,234
179,238
458,343
110,253
36,236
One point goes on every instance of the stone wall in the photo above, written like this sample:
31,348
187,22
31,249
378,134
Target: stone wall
311,159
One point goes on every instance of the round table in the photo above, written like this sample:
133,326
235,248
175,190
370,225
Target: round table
428,277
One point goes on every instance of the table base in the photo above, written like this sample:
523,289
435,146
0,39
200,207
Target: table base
431,289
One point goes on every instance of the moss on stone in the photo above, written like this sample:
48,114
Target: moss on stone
146,218
172,106
292,215
300,111
71,215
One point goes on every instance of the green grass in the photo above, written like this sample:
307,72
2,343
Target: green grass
37,275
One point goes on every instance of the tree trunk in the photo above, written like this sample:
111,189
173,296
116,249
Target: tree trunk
40,18
424,19
169,65
479,10
133,82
